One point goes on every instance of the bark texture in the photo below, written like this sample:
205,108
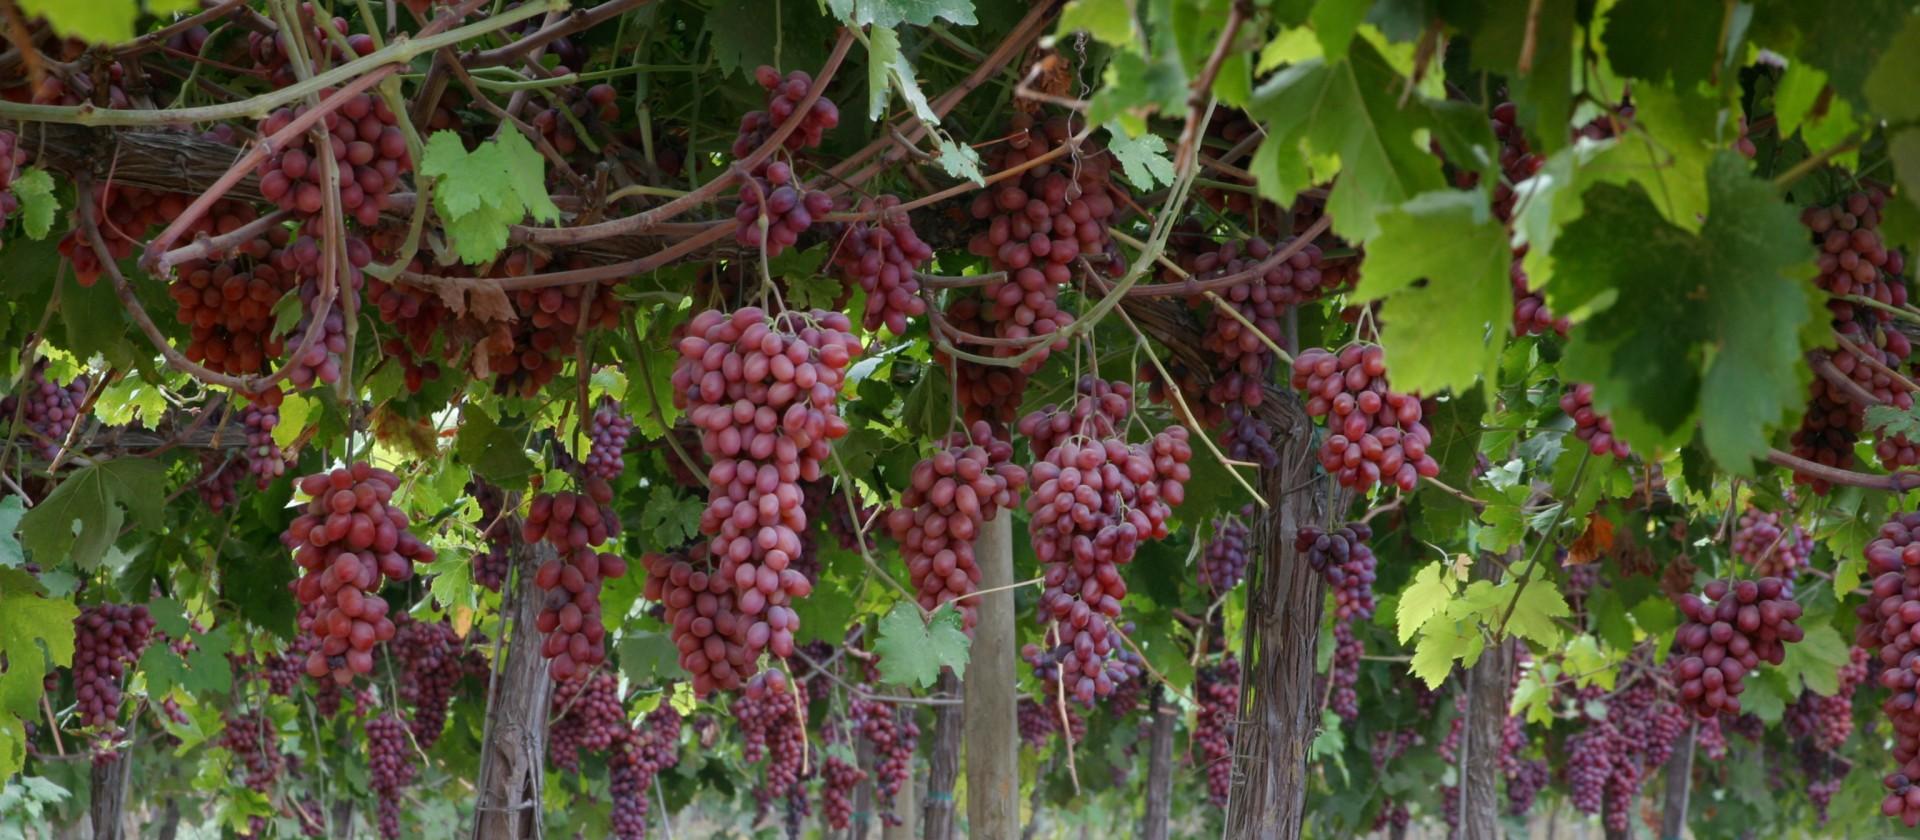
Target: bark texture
1673,812
993,760
513,754
1487,692
943,763
1153,825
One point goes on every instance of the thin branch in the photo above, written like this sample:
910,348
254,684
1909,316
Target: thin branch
1898,482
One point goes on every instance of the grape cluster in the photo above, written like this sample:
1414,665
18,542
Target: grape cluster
490,567
585,714
985,392
1345,671
1095,498
882,257
574,523
1224,562
893,736
783,96
838,779
348,540
596,107
389,768
271,51
1611,759
227,305
609,430
48,409
283,670
1893,561
320,360
771,712
1039,720
788,207
263,457
1217,687
369,153
1373,434
703,621
1342,557
106,639
1854,258
13,157
254,740
1728,634
1768,548
948,498
219,480
1590,426
124,215
764,391
1590,765
430,655
636,760
1581,581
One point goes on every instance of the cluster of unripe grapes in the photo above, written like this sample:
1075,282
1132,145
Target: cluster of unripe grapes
1374,434
771,715
575,524
348,540
948,497
585,714
253,738
1224,561
389,769
608,430
1725,636
1095,499
1217,688
1343,558
1768,548
893,737
763,390
48,409
369,153
1589,425
882,256
106,639
1885,630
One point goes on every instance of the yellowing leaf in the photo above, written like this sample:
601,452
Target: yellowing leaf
1426,597
1442,644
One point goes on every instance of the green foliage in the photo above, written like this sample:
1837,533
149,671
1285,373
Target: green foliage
913,651
482,193
80,520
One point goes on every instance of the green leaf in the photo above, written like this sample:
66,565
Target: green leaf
1335,21
1317,112
1110,21
1144,158
495,453
958,159
120,402
1136,87
1680,140
1426,597
36,637
1534,611
1657,41
1793,101
1766,695
1725,346
670,518
93,502
1331,741
1847,44
891,13
1904,149
294,412
1886,420
648,658
889,70
34,188
913,653
1588,664
526,171
451,574
1500,31
11,509
93,21
1441,644
1816,661
1436,334
1532,699
480,194
1889,88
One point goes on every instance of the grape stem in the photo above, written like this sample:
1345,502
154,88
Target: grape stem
1898,482
1180,397
1200,92
1875,363
574,21
206,246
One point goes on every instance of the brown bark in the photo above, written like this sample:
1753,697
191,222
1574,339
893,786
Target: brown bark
1159,770
169,821
109,789
862,793
1488,685
1673,812
512,755
943,763
993,760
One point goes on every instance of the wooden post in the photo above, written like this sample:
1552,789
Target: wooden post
943,763
863,792
1487,692
1279,708
514,751
1159,770
1673,812
993,759
109,788
905,809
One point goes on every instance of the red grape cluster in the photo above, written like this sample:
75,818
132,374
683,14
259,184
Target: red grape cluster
771,712
254,740
882,257
271,52
636,760
838,779
263,457
218,481
1610,760
788,207
609,430
1828,719
1217,687
1039,720
303,259
1095,498
1769,549
48,409
1590,765
948,498
985,392
415,315
107,639
1373,434
13,157
586,714
430,658
893,736
1262,301
526,353
1224,562
1590,426
369,152
783,96
764,392
125,213
1828,431
389,768
1345,671
1728,634
348,540
490,567
574,523
1886,621
227,306
1518,162
1581,581
1854,258
1342,557
596,107
704,623
285,669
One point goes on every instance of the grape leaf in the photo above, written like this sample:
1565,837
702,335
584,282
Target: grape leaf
1442,642
1110,21
912,652
1501,31
480,194
204,670
1814,663
1136,87
1889,88
451,574
36,637
1436,334
890,13
1143,158
1425,597
1659,40
1335,21
34,188
494,452
1532,700
11,509
1724,347
1534,610
1848,44
82,517
889,70
120,402
649,658
92,21
668,517
1316,111
958,159
1793,107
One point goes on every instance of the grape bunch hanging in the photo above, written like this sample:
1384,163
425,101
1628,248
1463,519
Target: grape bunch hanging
1771,545
881,256
1224,561
390,769
1726,634
1095,499
347,541
771,713
48,410
948,498
575,524
1343,558
1885,630
369,155
1217,687
1589,425
702,618
608,430
1374,434
106,639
